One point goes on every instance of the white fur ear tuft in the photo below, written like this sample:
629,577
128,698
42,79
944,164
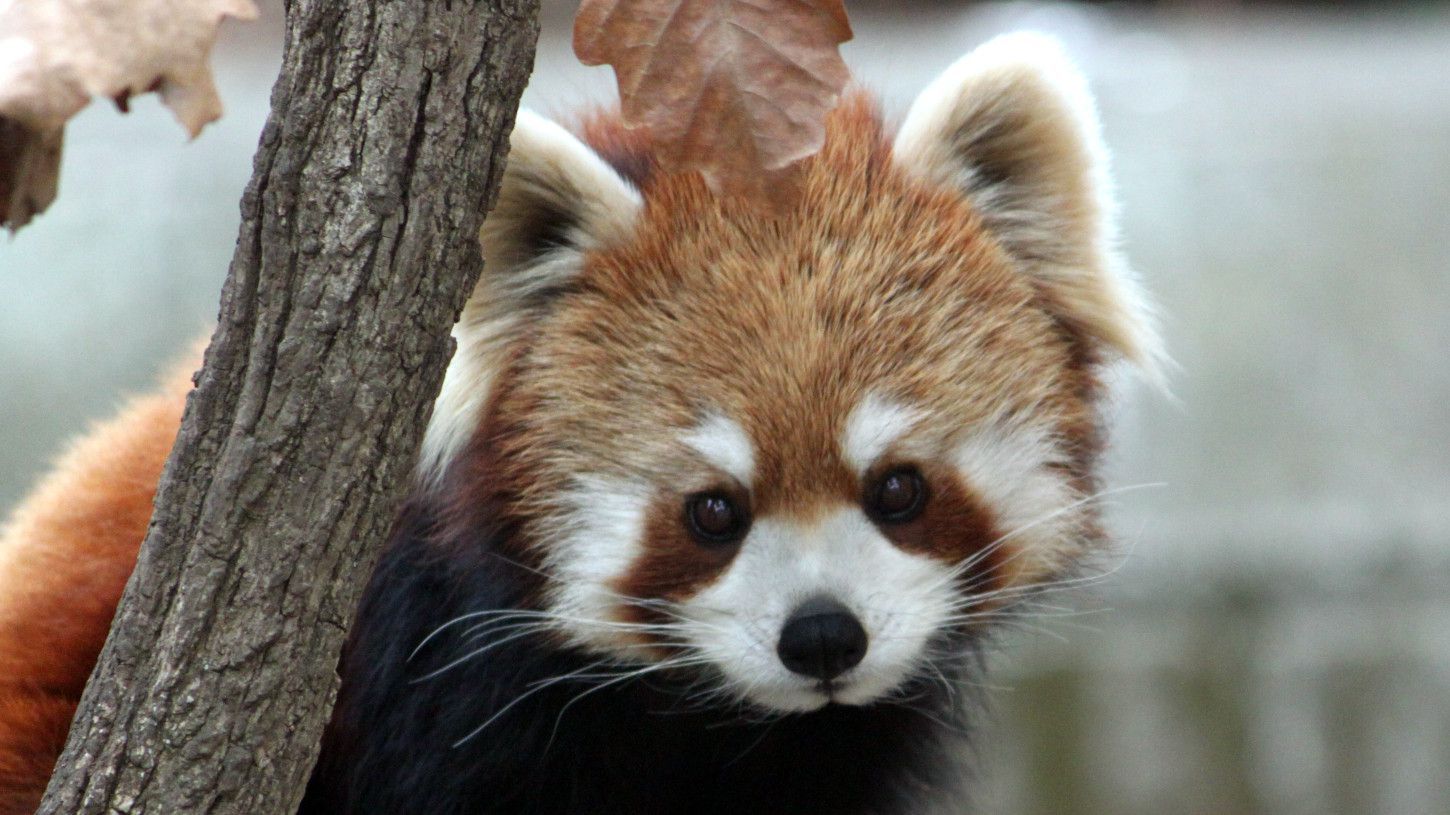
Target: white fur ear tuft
1013,126
558,199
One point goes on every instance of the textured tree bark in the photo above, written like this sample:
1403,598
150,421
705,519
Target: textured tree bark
357,249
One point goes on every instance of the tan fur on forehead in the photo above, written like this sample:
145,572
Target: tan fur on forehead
876,283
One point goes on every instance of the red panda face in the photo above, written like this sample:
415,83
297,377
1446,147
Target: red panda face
800,455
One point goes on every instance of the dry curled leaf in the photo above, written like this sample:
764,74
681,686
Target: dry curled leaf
57,54
736,89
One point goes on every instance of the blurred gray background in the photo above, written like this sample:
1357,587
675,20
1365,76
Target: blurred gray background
1273,635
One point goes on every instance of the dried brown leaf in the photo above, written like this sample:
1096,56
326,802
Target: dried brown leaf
736,89
57,54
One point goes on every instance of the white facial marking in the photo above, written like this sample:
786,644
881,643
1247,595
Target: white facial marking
595,545
873,426
901,599
724,444
465,389
1011,468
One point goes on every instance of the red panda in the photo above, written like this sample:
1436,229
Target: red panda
716,505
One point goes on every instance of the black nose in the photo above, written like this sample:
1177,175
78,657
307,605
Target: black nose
822,639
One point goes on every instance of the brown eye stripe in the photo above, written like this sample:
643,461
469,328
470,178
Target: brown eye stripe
954,526
673,565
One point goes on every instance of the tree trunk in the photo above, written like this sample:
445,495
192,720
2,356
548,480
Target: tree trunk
358,247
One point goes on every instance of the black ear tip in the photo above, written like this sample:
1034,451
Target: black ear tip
548,228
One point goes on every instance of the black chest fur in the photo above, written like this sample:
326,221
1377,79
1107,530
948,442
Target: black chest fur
402,743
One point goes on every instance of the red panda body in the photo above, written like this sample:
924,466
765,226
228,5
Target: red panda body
716,505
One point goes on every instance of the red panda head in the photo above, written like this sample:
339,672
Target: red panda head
798,452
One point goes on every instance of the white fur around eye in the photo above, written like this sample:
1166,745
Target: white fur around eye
596,538
1014,469
873,426
724,444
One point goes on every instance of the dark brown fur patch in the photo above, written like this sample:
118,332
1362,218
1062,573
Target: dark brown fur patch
954,526
629,152
675,565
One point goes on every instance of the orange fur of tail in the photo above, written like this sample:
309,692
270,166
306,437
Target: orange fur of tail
65,556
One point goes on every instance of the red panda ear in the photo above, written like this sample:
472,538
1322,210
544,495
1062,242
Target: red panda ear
557,200
1013,126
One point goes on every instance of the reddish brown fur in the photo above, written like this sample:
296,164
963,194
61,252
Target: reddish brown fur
64,560
627,151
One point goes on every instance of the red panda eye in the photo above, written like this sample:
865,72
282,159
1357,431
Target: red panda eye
713,518
899,496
